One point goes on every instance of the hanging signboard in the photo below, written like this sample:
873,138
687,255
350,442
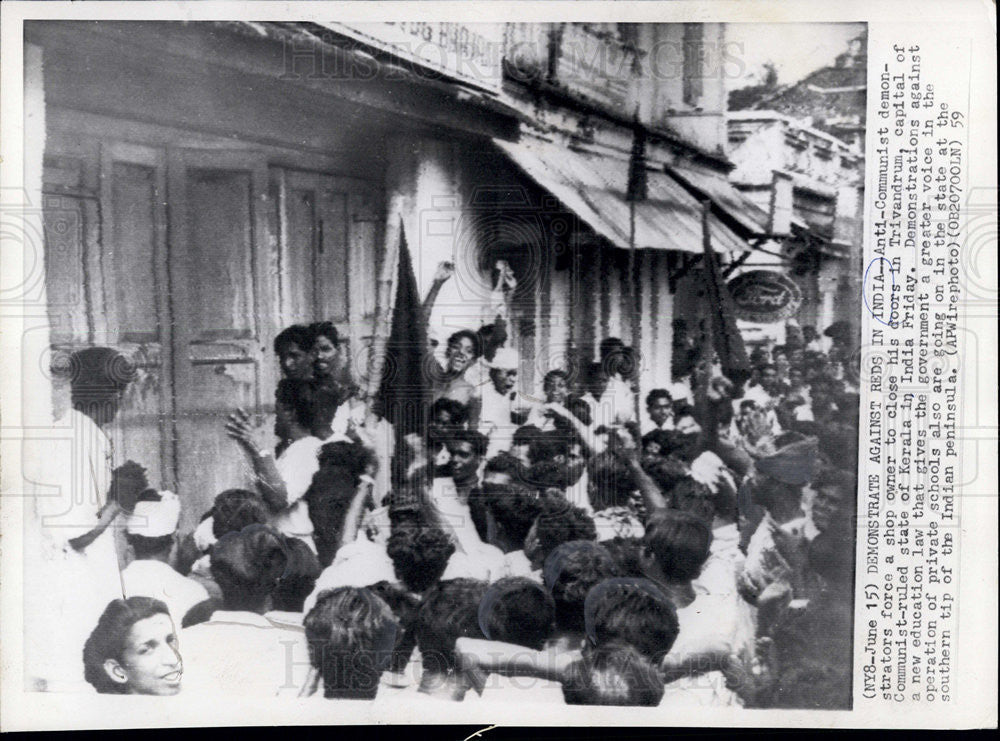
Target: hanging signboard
470,52
764,296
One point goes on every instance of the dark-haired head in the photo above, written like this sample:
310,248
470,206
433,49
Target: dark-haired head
235,509
325,351
97,377
677,543
298,578
449,611
614,674
247,565
522,441
517,610
692,496
557,522
467,448
514,508
404,606
419,554
611,482
295,401
449,414
292,346
634,611
133,650
570,572
351,634
556,386
627,553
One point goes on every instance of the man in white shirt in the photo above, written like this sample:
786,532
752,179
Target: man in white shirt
150,531
283,482
616,406
503,411
71,565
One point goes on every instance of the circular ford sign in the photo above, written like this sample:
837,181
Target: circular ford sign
764,296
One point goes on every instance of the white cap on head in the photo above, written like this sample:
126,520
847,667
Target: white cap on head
155,519
506,358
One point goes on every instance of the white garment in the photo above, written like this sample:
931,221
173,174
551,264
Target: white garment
66,591
516,563
495,418
755,393
649,425
297,464
579,494
617,403
455,516
617,522
484,562
149,578
244,654
358,564
710,624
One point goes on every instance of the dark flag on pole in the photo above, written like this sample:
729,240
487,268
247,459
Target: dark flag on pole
404,391
637,185
726,336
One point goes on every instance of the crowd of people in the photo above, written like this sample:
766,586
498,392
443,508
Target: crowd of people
696,548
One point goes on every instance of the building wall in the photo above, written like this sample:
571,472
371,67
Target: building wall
186,237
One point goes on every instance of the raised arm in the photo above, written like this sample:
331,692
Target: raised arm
356,510
270,484
444,271
628,452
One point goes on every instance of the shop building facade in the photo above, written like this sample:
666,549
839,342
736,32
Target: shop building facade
207,184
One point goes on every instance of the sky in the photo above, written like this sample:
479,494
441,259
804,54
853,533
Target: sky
795,48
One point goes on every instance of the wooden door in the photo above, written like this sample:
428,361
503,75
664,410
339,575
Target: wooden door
328,229
134,288
218,303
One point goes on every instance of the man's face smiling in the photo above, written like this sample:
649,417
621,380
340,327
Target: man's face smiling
556,390
151,661
460,354
324,354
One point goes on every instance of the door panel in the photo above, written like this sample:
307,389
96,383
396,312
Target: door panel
218,296
330,230
133,287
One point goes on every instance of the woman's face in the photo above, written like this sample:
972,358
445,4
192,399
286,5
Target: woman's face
460,354
324,353
150,661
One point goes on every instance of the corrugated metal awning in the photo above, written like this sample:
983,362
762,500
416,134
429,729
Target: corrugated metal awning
747,215
593,185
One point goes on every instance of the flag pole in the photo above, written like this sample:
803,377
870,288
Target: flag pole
637,190
636,305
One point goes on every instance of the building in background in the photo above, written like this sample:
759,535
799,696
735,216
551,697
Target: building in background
799,154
